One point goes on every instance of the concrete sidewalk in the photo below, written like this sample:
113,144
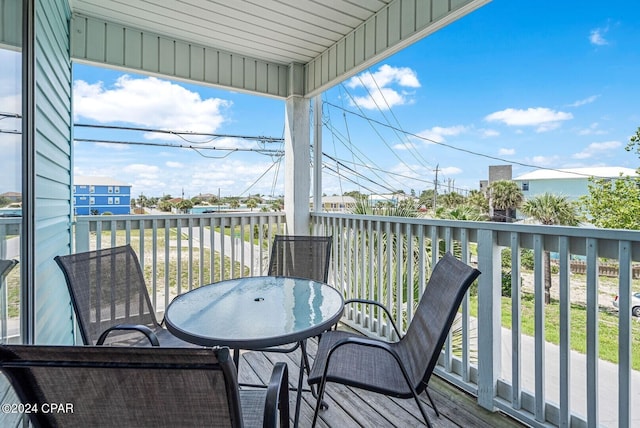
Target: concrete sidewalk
607,380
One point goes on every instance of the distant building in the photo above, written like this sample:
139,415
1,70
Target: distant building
496,173
572,183
98,195
333,204
12,196
388,198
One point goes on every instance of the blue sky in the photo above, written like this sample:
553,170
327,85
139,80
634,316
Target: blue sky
534,83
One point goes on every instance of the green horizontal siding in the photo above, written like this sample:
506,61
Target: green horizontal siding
116,45
396,26
54,323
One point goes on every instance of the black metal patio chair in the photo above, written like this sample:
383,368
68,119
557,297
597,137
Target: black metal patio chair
399,369
300,256
111,300
113,386
6,266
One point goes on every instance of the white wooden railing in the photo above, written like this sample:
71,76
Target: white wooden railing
526,377
181,252
389,259
10,231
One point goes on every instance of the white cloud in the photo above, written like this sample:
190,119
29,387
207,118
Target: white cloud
438,133
585,101
488,133
451,170
545,160
506,152
543,118
173,164
596,37
593,129
111,146
148,102
597,149
142,170
379,91
404,146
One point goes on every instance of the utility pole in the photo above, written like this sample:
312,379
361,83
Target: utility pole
435,190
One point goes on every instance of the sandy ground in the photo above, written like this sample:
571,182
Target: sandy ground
607,286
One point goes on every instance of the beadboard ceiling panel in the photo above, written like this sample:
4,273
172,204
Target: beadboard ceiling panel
331,39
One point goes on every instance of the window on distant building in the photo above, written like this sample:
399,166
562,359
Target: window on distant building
116,201
110,189
116,189
92,201
110,201
525,186
92,189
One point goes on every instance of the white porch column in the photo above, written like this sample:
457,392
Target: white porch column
317,154
297,159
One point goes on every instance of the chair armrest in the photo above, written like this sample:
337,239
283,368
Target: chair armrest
381,306
367,341
362,341
153,339
277,400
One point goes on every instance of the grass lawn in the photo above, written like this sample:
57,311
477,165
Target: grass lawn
608,327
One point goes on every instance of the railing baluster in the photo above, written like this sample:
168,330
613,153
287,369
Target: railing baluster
516,322
154,262
564,259
465,319
539,359
624,335
592,332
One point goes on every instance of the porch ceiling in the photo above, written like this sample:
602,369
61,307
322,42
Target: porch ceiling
283,32
271,30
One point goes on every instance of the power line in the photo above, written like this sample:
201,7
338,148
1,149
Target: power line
260,138
370,121
182,146
409,145
352,149
420,137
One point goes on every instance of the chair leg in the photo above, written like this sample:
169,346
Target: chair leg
307,366
422,409
321,386
433,404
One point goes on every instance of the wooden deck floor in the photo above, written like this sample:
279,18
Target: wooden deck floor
350,407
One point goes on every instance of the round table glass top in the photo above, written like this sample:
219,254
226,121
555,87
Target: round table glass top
254,312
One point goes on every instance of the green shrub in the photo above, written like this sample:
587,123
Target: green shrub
506,283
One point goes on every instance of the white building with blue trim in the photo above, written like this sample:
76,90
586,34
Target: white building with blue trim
572,182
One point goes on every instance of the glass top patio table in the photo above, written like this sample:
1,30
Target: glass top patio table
254,312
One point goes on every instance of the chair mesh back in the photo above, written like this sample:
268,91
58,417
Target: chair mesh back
107,288
301,257
125,386
428,330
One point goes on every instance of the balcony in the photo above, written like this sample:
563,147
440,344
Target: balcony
490,356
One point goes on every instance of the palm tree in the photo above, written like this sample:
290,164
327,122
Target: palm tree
479,200
551,209
505,195
461,212
252,203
